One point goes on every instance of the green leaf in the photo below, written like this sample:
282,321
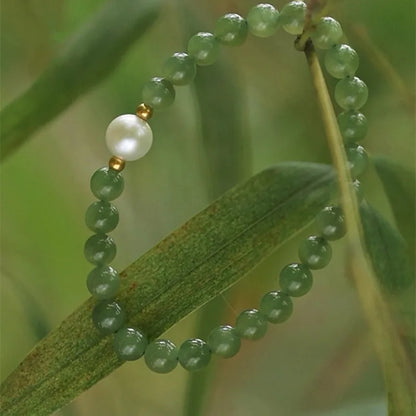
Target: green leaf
400,188
387,250
93,53
192,265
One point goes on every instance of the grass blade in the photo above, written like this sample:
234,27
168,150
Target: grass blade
192,265
91,55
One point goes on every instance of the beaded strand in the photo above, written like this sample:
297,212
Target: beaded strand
129,137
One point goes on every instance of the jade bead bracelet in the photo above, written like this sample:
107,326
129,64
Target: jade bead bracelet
129,137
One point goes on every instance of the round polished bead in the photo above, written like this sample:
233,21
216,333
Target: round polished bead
351,93
292,17
251,324
352,125
161,356
262,20
194,354
101,217
315,252
295,279
179,69
330,223
224,341
231,29
107,184
103,282
116,163
158,93
276,306
100,249
129,137
357,159
341,61
144,111
129,344
204,48
327,33
108,316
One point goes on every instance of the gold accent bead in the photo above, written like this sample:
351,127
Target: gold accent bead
144,111
116,163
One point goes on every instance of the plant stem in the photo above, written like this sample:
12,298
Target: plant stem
399,382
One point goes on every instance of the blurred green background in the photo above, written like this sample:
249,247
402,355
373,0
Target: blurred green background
320,361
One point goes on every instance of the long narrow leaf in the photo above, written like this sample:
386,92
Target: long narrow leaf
91,55
198,261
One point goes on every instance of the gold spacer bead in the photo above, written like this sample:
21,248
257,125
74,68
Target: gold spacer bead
116,163
144,111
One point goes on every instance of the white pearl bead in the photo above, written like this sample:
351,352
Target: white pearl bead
129,137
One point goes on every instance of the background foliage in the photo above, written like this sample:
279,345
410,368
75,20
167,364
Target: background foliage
45,192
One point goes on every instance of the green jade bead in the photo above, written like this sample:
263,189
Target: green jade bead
224,341
231,29
315,252
161,356
100,249
276,306
101,217
103,282
327,33
108,316
107,184
251,324
352,125
341,61
194,354
295,279
357,159
129,344
204,48
330,223
292,17
263,20
158,93
179,69
351,93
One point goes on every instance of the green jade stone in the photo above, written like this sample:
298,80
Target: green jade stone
224,341
158,93
179,69
107,184
129,344
276,306
204,48
194,354
100,249
263,20
341,61
352,125
315,252
101,217
327,33
231,29
251,324
292,17
351,93
330,223
108,316
161,356
103,282
357,159
295,279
